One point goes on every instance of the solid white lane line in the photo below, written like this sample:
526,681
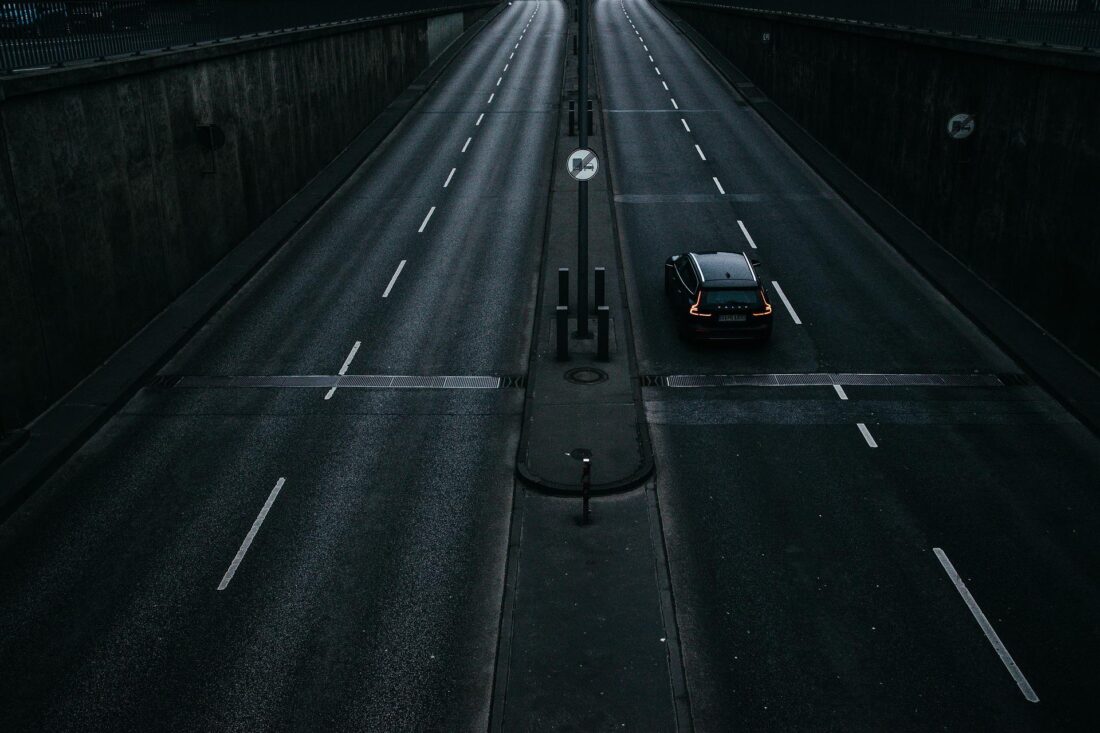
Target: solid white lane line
479,119
251,534
867,435
783,297
700,151
716,183
685,124
467,144
987,628
840,392
491,98
449,177
746,233
664,84
674,105
425,222
396,274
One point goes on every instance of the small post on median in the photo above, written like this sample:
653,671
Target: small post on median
600,287
563,286
603,325
561,325
586,488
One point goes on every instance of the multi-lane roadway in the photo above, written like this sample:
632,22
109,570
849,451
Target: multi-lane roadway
901,536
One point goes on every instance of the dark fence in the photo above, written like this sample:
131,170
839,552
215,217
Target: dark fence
42,34
1070,23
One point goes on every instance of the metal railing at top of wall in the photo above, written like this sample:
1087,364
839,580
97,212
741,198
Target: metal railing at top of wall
54,33
1068,24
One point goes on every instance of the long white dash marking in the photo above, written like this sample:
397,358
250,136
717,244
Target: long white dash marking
491,98
716,183
674,105
506,67
987,628
840,392
479,119
355,348
651,59
783,297
685,124
466,144
657,70
499,80
700,151
347,363
396,274
511,55
449,177
664,84
251,534
867,435
745,231
425,222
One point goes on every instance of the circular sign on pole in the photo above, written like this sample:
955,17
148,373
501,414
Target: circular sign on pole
960,126
582,164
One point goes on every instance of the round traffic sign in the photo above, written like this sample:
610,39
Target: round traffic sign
960,126
582,164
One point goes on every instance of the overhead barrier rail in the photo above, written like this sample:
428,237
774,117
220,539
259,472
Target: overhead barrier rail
1073,24
54,33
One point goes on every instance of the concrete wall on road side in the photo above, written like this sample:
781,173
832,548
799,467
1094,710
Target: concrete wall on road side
114,198
1018,201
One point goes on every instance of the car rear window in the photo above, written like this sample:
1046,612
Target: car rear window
738,296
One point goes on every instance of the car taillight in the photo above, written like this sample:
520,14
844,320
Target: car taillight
695,307
767,306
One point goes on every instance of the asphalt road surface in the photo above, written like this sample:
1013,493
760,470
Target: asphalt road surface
906,543
370,525
802,546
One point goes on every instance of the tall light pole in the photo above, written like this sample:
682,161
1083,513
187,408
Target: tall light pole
582,188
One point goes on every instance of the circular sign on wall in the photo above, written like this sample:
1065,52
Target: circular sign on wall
960,126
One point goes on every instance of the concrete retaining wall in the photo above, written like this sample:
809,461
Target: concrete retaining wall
1018,201
114,197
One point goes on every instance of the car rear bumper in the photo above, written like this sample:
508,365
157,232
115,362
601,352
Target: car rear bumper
727,331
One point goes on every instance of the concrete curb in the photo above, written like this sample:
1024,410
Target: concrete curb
1069,379
644,470
60,431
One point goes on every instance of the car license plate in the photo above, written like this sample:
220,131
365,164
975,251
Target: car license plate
733,317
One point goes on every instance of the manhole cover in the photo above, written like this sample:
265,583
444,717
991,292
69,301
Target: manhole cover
586,375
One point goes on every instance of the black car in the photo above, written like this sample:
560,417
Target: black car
717,295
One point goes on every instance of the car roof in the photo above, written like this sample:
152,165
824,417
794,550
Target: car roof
724,269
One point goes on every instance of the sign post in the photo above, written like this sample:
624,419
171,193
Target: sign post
582,192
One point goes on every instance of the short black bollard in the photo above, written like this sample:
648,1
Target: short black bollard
586,488
603,325
561,314
563,286
601,292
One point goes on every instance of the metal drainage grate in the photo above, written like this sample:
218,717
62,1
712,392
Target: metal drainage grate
349,381
812,379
